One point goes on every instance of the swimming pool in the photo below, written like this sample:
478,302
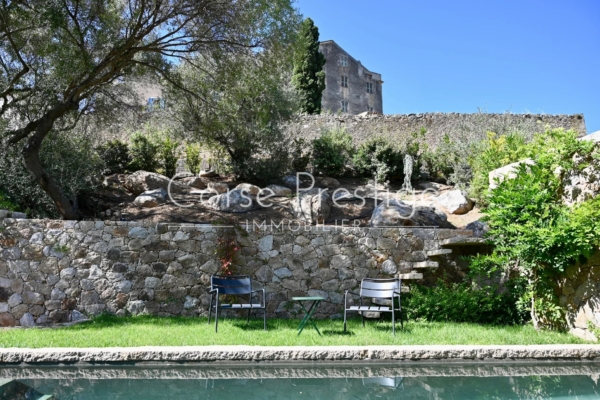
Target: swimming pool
311,381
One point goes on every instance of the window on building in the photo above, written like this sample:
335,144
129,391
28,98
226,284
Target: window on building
344,106
344,60
369,87
370,109
344,81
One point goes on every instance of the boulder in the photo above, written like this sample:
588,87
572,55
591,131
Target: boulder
218,187
397,213
329,183
142,181
479,228
208,174
249,188
455,201
234,201
277,190
151,198
18,215
507,172
195,182
311,208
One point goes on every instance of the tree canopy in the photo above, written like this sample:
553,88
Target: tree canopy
62,59
309,77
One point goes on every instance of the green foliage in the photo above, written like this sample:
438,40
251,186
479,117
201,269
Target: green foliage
495,152
380,159
460,302
144,153
332,152
535,235
115,157
251,98
309,77
69,157
192,157
6,203
168,155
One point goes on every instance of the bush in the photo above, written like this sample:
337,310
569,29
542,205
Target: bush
192,157
115,157
379,159
6,203
167,151
460,302
536,236
495,152
332,152
143,153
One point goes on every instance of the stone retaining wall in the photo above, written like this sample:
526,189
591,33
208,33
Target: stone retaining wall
580,294
399,128
61,271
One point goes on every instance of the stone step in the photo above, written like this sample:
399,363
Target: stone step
426,264
463,241
437,253
411,275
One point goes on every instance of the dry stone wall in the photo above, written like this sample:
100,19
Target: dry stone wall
580,294
61,271
399,128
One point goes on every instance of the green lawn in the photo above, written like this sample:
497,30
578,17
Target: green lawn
109,331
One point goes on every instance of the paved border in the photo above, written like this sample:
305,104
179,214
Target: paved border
297,371
302,354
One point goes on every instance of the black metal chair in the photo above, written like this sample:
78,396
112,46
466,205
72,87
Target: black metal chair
234,286
388,289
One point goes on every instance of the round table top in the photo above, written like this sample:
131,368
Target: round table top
313,298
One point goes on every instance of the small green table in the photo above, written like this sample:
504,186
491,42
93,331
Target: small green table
308,313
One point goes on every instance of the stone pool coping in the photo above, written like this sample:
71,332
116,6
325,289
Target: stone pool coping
295,354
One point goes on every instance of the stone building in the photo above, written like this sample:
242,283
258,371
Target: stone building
349,86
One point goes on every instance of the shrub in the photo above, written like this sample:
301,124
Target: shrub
332,152
535,235
495,152
192,157
460,302
167,151
378,158
115,157
143,153
6,203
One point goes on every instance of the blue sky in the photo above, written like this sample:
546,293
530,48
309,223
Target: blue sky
455,56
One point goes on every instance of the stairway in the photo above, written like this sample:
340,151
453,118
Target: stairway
418,268
11,389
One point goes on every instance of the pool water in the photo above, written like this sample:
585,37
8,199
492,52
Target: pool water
314,381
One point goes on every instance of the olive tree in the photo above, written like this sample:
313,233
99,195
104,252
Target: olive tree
62,59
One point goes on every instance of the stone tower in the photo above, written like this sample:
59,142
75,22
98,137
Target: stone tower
350,88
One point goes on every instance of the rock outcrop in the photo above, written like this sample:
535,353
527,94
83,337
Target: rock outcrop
455,201
397,213
312,208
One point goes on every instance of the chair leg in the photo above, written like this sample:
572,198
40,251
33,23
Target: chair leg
248,319
210,308
265,318
393,320
362,313
344,320
217,316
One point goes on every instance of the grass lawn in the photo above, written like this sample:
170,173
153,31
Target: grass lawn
111,331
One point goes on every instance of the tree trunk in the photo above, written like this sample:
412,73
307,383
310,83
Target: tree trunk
31,160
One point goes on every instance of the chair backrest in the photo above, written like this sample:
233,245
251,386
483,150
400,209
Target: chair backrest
379,288
231,284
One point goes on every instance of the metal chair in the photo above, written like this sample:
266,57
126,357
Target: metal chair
237,286
377,289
